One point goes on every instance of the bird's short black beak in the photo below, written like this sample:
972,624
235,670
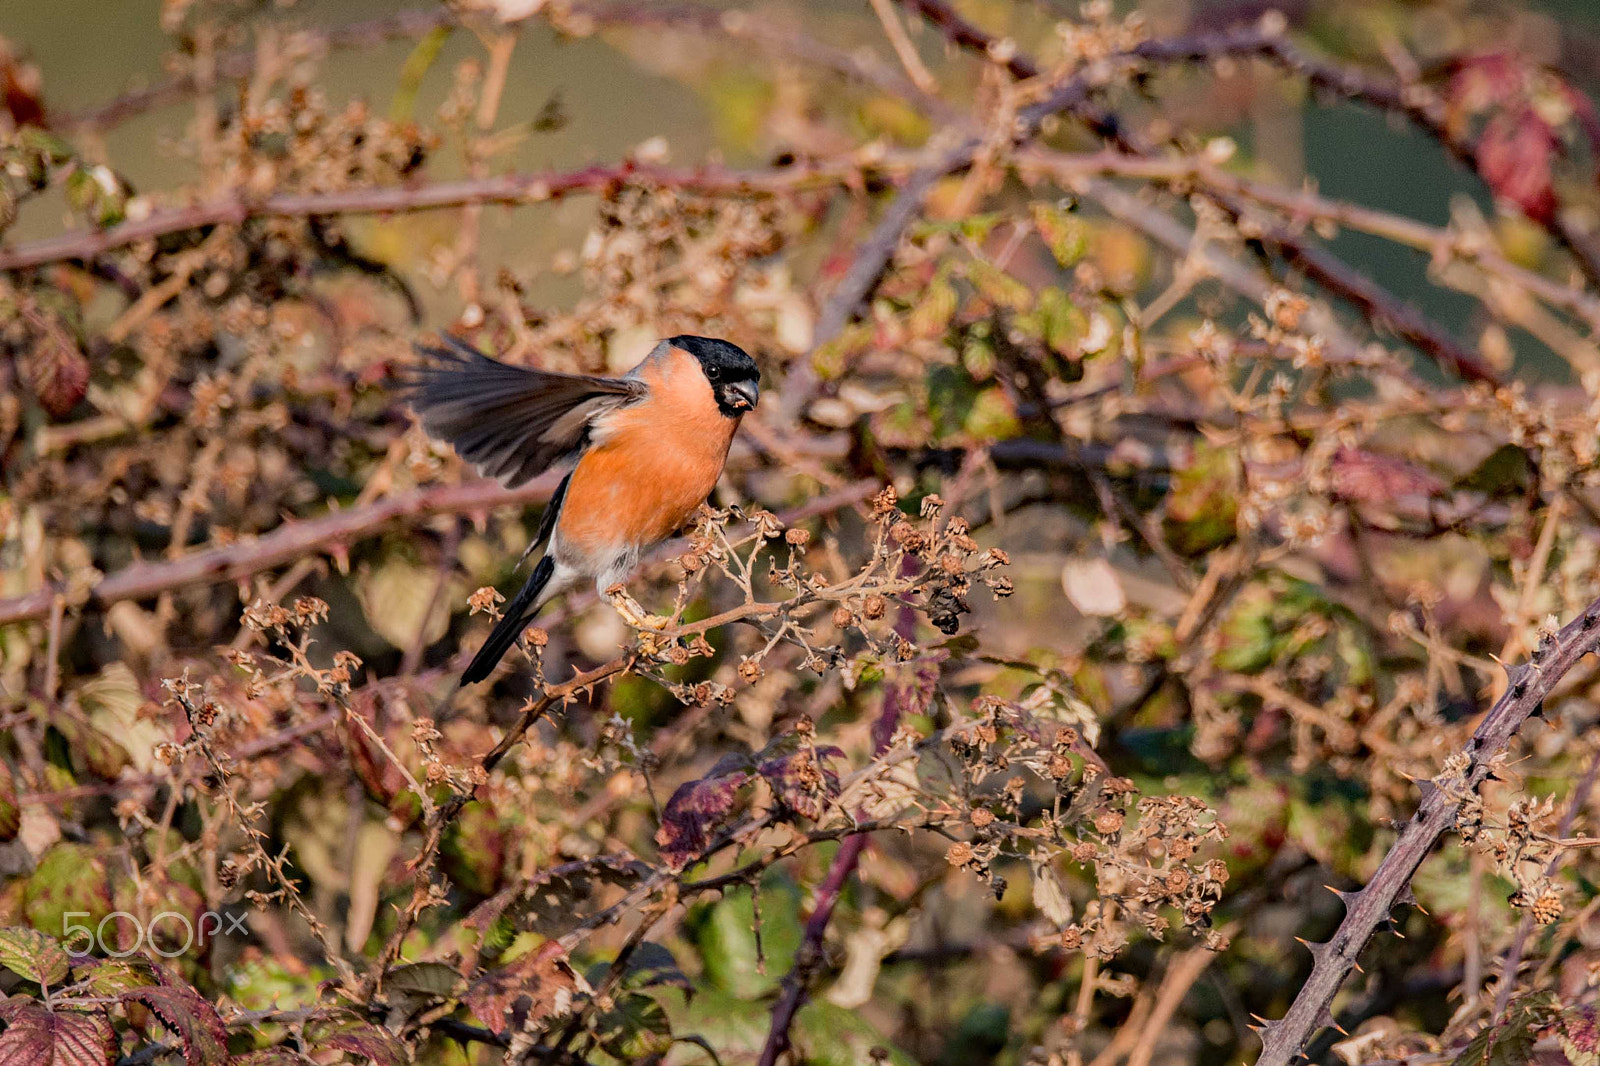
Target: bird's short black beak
743,395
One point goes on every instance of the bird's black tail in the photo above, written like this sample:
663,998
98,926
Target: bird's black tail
519,612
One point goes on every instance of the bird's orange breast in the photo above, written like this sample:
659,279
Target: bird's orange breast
656,461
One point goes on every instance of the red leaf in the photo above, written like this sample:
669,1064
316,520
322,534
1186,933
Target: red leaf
1579,1033
802,781
907,695
35,1036
383,780
272,1056
57,373
522,994
1368,477
697,810
378,1046
188,1014
1514,155
1481,84
21,87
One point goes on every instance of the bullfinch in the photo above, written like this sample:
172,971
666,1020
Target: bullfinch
649,448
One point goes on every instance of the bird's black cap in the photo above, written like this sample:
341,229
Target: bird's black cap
720,360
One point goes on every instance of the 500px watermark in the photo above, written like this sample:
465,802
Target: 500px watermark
83,940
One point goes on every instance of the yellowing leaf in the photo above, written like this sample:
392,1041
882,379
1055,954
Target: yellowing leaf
29,953
112,701
1049,896
1064,234
399,600
998,287
1093,587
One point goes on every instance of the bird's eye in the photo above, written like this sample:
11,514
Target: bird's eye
713,373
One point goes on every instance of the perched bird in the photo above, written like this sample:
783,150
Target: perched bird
649,449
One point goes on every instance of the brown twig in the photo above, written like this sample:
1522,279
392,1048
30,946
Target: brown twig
1247,279
1420,105
1181,975
1303,205
1076,96
284,544
86,244
903,47
963,33
1369,908
1325,269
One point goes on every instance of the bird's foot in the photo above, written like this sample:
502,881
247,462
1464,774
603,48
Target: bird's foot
632,613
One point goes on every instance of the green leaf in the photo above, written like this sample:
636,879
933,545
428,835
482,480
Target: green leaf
992,416
45,144
435,979
831,360
649,965
69,880
1057,321
414,70
1248,638
725,933
978,356
998,287
93,750
113,977
10,812
736,1027
33,955
474,849
826,1034
1509,1040
951,394
930,316
1508,471
981,1035
635,1029
1202,510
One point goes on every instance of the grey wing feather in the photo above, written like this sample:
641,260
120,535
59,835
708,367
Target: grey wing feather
510,422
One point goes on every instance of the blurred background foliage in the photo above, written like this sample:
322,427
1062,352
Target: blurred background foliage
1266,546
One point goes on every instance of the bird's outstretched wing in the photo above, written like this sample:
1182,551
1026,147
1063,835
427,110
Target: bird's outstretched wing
510,422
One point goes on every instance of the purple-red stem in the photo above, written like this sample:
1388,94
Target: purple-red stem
809,956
